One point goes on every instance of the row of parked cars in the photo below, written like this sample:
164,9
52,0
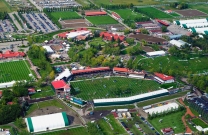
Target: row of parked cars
47,22
149,125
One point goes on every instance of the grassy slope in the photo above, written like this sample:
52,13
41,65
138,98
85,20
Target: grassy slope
95,89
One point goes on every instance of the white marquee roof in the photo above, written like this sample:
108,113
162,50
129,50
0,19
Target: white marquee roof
178,43
156,53
66,73
51,121
77,33
162,108
48,49
192,21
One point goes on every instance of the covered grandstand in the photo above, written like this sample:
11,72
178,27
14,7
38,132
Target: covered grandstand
47,122
130,100
90,70
179,22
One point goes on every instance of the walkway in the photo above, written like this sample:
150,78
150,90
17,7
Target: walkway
188,111
34,68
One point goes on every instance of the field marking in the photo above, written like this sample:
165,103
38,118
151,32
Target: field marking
28,67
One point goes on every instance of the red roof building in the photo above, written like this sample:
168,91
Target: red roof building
10,103
31,91
109,36
1,92
117,70
10,54
95,13
162,22
161,78
167,131
60,86
63,35
90,70
115,15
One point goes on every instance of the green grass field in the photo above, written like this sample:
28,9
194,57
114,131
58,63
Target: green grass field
117,129
195,65
15,70
73,131
4,7
155,12
64,15
101,20
172,120
127,14
199,122
175,14
97,41
201,7
96,89
43,104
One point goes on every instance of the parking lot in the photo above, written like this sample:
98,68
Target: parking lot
56,4
6,26
40,22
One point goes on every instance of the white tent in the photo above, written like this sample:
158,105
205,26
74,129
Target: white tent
163,108
48,49
178,43
65,74
47,122
64,43
77,33
67,45
156,53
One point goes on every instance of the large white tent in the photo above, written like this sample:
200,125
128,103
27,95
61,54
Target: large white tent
178,43
65,74
48,49
156,53
163,108
77,33
179,22
194,25
199,30
47,122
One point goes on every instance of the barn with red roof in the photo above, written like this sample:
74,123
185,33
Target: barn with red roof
162,78
108,36
60,86
11,54
115,16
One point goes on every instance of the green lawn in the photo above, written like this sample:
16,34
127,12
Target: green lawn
64,15
15,70
127,14
199,122
48,91
195,65
101,20
172,120
73,131
116,125
154,13
175,14
97,41
102,88
169,85
161,99
43,104
4,6
201,7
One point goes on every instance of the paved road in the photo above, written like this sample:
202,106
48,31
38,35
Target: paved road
15,21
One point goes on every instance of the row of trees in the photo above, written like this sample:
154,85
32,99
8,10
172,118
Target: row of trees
3,15
119,6
200,82
179,5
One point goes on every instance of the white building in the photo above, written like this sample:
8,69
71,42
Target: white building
77,33
64,75
47,122
199,30
194,25
161,78
155,53
48,49
178,43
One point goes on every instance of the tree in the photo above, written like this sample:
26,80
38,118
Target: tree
52,75
20,123
164,29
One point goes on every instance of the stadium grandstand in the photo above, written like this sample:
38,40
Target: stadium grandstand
130,100
90,70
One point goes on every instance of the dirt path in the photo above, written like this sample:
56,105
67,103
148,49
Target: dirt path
188,111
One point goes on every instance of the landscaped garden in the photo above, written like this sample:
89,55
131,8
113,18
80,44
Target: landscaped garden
112,87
